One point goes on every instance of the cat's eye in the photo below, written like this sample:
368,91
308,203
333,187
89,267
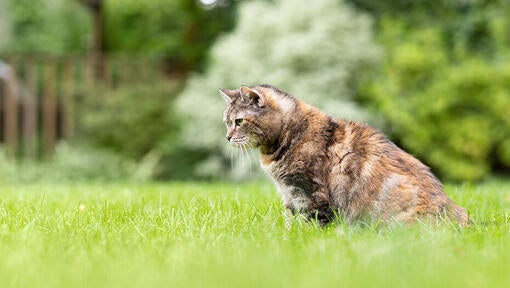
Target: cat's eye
239,121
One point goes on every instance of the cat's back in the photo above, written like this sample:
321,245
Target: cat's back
371,176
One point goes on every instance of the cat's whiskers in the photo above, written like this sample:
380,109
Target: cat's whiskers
245,148
226,151
251,152
229,153
241,151
239,154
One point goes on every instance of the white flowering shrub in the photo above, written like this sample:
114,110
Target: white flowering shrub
313,50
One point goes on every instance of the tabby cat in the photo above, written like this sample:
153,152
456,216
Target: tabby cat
325,167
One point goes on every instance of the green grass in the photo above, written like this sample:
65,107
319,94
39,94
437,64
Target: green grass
227,235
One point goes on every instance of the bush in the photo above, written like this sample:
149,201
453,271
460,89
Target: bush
313,49
131,120
450,108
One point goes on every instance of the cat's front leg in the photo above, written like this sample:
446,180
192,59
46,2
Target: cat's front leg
296,203
320,209
312,206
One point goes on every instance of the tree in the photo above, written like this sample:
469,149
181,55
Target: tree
97,48
51,26
179,32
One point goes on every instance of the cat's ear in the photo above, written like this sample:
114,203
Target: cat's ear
255,97
228,95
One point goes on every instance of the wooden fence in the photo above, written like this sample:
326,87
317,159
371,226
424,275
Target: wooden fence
37,96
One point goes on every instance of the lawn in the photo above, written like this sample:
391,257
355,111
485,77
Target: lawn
234,235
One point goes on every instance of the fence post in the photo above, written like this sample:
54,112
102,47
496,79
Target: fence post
10,107
88,73
30,111
107,73
49,109
68,79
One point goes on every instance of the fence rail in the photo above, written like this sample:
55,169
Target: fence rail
38,96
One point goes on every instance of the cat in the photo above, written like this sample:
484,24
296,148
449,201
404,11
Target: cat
326,168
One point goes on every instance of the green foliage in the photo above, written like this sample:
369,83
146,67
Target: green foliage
180,31
5,29
314,50
131,120
223,235
447,105
50,26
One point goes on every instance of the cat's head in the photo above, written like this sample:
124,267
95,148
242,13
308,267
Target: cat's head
255,116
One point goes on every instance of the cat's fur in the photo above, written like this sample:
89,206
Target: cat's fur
325,167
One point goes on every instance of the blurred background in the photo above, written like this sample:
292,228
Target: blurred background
127,89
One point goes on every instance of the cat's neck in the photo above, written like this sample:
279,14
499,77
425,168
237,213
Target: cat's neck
297,127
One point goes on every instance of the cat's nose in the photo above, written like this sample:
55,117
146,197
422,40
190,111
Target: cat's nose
228,138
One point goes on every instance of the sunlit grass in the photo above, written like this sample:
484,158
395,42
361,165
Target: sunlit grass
217,235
